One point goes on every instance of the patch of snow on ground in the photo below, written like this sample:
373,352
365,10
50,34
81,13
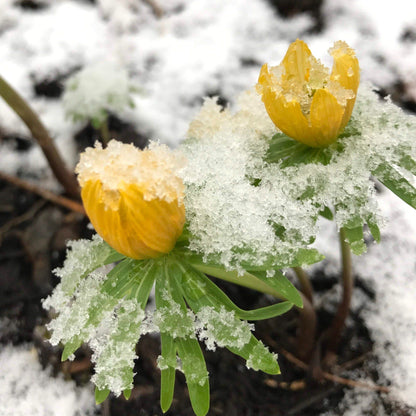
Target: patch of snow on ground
389,269
27,389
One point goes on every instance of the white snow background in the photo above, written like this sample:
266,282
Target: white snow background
199,48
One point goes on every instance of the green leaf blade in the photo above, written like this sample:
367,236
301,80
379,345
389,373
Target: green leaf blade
394,181
196,374
101,395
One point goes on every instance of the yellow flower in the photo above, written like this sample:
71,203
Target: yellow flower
133,198
304,100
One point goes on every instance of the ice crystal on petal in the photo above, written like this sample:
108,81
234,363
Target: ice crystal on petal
222,328
154,169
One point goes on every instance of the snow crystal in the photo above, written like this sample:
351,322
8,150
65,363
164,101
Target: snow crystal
228,213
27,389
234,200
7,15
96,90
119,165
222,328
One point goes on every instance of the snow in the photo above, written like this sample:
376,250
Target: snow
199,48
27,389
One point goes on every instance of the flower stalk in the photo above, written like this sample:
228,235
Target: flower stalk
338,323
41,135
305,283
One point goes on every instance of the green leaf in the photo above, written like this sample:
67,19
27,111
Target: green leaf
290,152
299,257
281,284
196,374
355,238
101,395
375,231
70,348
200,291
327,213
127,394
167,377
399,185
305,257
258,357
131,279
408,163
189,351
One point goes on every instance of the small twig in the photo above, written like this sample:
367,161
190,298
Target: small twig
48,195
41,135
157,10
332,377
21,218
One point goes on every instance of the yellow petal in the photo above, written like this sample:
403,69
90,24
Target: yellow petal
133,198
326,118
297,63
346,71
289,118
134,227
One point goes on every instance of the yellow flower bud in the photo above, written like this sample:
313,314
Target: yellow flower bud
304,100
133,198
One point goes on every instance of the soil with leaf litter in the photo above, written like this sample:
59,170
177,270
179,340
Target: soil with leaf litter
33,235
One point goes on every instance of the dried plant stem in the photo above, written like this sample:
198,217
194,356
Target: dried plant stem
335,378
45,194
338,323
39,132
157,10
305,283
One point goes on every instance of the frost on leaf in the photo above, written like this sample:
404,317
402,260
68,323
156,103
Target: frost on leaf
242,208
261,358
233,213
79,315
114,347
172,319
82,257
222,328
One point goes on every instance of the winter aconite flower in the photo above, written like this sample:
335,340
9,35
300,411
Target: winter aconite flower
133,198
304,100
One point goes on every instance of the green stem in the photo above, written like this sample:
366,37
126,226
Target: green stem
305,283
41,135
305,337
105,132
338,323
247,280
